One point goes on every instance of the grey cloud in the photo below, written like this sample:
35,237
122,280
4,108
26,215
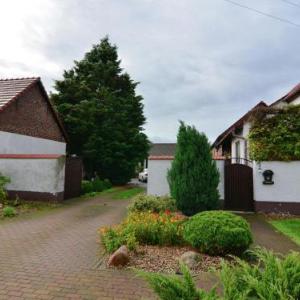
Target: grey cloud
204,62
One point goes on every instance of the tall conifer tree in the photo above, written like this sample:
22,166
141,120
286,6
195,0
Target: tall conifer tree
103,114
193,177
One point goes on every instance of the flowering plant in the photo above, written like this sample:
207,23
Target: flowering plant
144,228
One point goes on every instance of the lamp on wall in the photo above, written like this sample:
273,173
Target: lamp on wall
268,177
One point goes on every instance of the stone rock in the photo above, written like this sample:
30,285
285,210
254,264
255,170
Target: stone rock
190,258
119,258
1,205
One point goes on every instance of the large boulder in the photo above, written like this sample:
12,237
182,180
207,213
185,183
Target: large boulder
190,258
119,257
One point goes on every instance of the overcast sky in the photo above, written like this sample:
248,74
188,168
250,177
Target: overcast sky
205,62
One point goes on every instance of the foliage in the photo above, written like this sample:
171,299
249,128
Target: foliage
127,193
193,177
270,278
144,228
276,135
102,114
218,233
3,181
172,287
113,238
9,211
96,185
290,227
143,202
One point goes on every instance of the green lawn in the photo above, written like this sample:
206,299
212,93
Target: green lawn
289,227
128,193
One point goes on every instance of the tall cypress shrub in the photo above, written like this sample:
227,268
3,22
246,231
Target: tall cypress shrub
193,177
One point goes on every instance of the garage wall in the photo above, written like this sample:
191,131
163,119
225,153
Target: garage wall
35,179
157,177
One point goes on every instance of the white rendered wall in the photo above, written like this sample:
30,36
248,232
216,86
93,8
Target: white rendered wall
12,143
34,175
244,147
286,187
157,177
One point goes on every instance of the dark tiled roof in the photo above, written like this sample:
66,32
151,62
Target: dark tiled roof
10,89
162,150
290,96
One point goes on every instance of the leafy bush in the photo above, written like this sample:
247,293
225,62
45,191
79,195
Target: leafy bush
218,233
172,287
143,202
275,135
193,177
144,228
96,185
271,277
9,212
3,181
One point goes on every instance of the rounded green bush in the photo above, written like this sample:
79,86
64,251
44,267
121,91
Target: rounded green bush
218,233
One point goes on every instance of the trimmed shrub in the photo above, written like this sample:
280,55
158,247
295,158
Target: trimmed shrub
97,185
218,233
193,177
9,212
144,228
143,202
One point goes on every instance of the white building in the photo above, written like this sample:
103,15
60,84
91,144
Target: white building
32,141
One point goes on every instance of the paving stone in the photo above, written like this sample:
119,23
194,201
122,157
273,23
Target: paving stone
52,256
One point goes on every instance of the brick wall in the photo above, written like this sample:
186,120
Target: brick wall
31,115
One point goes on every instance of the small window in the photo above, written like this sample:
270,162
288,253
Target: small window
238,151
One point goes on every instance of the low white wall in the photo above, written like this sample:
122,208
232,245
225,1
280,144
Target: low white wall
286,187
157,177
12,143
35,175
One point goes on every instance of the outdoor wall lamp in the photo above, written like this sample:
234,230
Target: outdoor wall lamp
268,176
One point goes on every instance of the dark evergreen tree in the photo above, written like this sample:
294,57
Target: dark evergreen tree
193,177
103,114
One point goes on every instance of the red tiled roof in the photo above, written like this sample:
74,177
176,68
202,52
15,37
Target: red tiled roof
290,96
12,89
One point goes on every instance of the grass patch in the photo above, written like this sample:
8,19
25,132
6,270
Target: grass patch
28,208
289,227
128,193
103,193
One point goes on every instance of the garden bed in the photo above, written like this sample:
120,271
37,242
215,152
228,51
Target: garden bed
165,259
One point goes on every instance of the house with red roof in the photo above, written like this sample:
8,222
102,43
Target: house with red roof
233,142
32,141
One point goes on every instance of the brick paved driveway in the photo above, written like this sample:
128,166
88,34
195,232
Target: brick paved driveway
55,256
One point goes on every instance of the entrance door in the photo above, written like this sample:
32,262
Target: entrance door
238,187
